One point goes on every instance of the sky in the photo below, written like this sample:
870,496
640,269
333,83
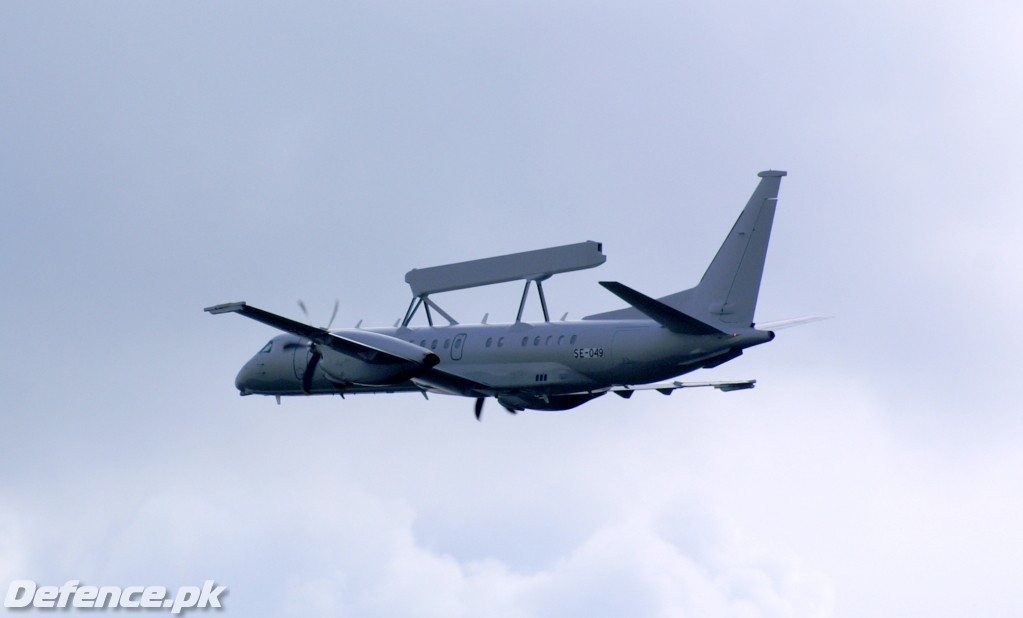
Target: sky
162,157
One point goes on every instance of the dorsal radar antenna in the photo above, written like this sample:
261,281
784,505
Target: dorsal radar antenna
529,266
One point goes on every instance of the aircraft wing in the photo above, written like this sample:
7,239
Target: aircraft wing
668,388
449,383
401,351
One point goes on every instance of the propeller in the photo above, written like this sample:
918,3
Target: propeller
478,408
314,353
310,369
333,314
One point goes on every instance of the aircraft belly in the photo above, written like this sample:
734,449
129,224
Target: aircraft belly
544,376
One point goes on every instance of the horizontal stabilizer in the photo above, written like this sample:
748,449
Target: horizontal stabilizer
669,317
780,324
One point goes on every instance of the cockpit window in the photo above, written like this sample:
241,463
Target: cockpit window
266,349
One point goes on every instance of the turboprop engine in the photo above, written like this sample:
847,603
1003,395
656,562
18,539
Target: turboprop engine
384,361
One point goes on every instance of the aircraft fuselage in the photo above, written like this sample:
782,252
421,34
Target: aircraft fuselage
545,358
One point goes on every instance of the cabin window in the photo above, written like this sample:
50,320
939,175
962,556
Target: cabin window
561,339
525,340
500,342
433,346
490,340
572,341
447,342
548,342
266,349
536,341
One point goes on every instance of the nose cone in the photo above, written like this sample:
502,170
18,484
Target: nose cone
247,378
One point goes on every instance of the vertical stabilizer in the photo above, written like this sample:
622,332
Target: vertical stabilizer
727,293
728,290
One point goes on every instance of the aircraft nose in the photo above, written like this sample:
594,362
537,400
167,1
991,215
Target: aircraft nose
246,378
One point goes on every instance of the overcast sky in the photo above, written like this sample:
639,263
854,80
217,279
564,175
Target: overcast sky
158,158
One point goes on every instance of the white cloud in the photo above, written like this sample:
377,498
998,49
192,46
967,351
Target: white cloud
12,546
621,568
800,498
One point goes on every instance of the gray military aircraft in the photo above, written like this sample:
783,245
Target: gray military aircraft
534,366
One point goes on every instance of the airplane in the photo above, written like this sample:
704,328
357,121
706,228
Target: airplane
548,366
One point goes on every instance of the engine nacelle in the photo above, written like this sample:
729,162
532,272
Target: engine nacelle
373,368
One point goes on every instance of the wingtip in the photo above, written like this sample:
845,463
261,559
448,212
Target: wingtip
772,174
225,308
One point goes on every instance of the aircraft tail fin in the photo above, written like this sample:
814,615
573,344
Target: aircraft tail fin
727,293
729,288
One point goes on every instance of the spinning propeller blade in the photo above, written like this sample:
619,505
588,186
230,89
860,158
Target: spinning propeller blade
310,370
333,314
